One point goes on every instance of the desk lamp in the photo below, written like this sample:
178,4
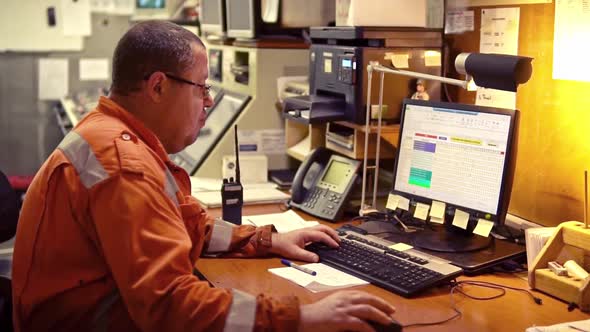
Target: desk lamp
495,71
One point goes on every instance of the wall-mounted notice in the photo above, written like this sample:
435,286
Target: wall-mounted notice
76,17
498,34
459,21
94,69
571,44
267,141
52,78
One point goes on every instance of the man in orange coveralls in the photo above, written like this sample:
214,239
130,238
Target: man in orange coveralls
109,234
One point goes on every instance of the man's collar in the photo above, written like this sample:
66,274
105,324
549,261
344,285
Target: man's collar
110,107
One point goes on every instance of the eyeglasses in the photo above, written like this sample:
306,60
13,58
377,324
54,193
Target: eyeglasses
205,88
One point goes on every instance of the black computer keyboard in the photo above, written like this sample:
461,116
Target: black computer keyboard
396,271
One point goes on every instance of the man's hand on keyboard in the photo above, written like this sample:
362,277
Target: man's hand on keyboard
291,245
345,311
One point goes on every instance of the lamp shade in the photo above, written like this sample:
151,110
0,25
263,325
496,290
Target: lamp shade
495,71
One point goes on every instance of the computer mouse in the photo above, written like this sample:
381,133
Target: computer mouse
394,326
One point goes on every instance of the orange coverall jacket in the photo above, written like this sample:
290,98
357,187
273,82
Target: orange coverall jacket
109,235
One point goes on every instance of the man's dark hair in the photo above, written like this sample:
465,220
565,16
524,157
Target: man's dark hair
148,47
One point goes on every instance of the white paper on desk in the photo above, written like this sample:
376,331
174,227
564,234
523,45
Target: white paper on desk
94,69
535,240
76,17
581,325
327,278
53,78
200,184
284,222
212,199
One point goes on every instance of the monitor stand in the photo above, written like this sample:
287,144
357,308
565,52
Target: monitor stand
491,251
443,240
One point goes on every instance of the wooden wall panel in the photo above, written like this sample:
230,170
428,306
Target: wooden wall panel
554,138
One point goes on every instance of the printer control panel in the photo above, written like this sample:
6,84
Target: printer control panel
347,69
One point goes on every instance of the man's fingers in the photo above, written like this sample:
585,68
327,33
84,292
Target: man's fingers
377,302
367,313
304,255
319,236
333,234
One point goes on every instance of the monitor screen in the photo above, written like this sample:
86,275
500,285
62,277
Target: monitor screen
456,154
240,18
212,16
226,109
152,9
151,4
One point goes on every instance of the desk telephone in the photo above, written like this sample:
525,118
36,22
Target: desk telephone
323,183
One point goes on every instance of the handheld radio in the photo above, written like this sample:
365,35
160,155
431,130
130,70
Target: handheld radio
232,193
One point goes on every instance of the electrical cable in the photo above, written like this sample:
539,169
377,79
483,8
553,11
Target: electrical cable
457,286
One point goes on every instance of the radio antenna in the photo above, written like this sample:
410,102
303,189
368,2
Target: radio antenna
237,154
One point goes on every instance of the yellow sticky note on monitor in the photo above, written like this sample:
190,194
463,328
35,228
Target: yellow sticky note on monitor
421,211
392,202
484,227
400,246
461,219
437,210
403,203
437,220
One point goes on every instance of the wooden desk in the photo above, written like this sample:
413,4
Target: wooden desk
515,311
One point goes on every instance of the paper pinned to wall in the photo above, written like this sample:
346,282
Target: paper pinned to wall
94,69
75,15
459,21
267,141
53,78
498,34
571,44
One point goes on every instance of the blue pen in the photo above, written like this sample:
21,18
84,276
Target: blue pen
298,267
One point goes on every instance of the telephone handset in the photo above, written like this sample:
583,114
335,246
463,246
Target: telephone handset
323,184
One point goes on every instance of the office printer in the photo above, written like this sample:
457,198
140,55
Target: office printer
338,60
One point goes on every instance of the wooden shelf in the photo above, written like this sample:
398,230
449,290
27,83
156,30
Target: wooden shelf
302,138
271,43
390,133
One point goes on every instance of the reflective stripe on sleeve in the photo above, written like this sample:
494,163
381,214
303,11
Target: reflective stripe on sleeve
100,320
78,151
221,236
171,187
242,312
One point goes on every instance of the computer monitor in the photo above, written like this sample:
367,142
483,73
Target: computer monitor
461,155
276,18
153,9
227,106
212,17
242,17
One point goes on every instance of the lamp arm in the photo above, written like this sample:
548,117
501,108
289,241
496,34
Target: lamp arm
446,80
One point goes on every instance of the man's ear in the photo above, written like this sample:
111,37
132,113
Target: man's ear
156,86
